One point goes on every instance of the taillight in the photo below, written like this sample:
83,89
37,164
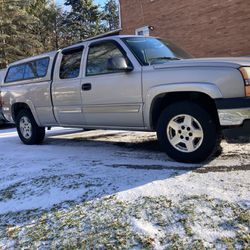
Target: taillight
245,71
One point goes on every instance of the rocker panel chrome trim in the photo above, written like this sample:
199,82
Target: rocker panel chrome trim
112,109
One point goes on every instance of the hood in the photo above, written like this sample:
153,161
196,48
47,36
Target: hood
233,62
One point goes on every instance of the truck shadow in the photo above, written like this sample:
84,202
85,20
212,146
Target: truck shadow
6,126
238,135
136,147
149,149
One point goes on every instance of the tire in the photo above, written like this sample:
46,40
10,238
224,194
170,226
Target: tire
187,132
28,130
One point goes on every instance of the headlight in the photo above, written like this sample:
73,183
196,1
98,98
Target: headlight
245,71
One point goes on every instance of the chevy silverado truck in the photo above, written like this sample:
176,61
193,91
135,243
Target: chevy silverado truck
130,83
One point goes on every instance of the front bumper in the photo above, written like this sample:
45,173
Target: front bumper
233,111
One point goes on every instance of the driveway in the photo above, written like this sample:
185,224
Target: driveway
116,189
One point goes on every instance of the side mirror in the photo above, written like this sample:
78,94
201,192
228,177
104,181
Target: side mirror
119,63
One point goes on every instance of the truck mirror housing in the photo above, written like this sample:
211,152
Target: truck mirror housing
119,63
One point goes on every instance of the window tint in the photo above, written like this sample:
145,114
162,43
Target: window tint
42,67
15,73
99,56
29,70
70,65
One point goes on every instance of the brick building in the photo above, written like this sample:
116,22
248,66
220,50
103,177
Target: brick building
203,28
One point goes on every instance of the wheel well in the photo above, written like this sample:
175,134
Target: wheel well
17,107
160,102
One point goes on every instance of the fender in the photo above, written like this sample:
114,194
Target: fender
209,89
30,105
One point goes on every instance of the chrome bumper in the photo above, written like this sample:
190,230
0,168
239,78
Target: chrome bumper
233,117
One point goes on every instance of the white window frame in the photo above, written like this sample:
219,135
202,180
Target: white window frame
143,31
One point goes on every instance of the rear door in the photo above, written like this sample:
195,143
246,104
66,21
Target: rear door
111,98
66,87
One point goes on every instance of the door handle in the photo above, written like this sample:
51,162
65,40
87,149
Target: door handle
86,86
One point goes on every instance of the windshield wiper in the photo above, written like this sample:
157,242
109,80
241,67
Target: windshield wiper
163,58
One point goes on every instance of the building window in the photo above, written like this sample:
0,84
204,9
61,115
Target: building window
143,31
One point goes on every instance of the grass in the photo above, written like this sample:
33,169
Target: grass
109,223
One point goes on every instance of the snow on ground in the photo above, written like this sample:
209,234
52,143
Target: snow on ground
116,189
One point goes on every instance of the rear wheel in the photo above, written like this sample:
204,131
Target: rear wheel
187,132
28,130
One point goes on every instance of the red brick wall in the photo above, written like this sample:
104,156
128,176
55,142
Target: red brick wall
202,27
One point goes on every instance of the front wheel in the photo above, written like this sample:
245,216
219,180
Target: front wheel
28,130
187,132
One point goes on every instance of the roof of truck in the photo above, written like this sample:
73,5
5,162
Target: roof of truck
28,59
107,34
99,38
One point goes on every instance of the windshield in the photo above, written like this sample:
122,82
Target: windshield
149,50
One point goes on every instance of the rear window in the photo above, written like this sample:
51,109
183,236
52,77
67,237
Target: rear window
30,70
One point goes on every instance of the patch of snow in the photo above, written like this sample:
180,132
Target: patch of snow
230,186
209,235
149,230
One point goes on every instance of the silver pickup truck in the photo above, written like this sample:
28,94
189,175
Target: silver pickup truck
130,83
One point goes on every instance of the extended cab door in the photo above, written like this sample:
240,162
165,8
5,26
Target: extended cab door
111,97
66,87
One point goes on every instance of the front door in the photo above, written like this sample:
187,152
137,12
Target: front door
111,98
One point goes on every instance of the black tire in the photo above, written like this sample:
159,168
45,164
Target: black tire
201,120
35,134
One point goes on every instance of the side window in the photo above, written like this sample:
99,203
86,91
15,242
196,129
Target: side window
99,56
15,73
42,67
29,70
70,65
36,69
143,31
